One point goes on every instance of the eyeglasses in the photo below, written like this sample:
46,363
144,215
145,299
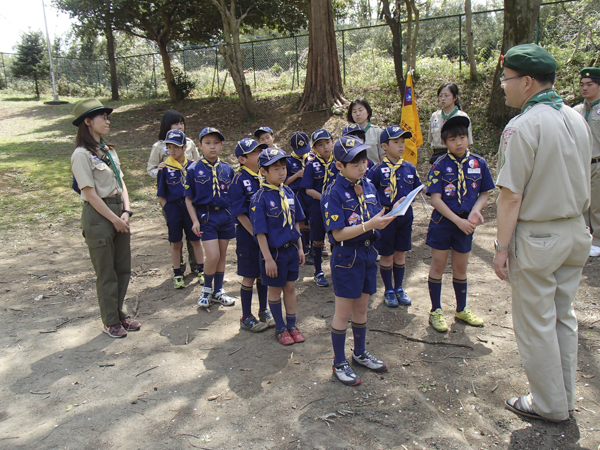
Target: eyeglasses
504,80
103,116
445,96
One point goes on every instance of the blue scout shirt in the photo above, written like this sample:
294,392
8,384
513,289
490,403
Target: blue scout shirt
340,207
314,174
266,216
294,165
243,187
407,179
170,184
443,179
200,185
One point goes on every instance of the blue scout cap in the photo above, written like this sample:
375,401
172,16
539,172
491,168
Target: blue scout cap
352,128
456,121
393,132
262,130
175,137
347,147
320,134
299,142
530,59
246,146
86,108
269,156
211,130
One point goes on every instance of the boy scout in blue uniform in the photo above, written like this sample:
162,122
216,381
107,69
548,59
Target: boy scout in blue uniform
317,175
275,214
394,178
264,135
209,205
352,214
354,129
244,185
171,183
458,184
295,169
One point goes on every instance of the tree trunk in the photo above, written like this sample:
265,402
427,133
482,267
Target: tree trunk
412,33
520,19
112,62
470,49
168,71
37,87
323,87
394,24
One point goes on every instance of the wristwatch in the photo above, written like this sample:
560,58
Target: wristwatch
500,248
128,212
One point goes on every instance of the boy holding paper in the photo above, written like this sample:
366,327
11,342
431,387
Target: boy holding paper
394,179
458,184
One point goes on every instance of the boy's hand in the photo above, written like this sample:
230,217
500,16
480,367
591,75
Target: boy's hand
196,228
271,267
301,258
475,217
121,225
379,222
466,226
161,165
300,173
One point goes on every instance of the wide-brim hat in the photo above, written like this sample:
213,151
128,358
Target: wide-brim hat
86,108
246,146
270,156
347,147
456,121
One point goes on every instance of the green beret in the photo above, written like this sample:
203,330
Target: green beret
589,72
530,59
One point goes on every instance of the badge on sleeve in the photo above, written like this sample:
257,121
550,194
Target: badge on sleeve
335,217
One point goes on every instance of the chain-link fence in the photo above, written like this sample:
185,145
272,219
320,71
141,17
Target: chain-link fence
280,63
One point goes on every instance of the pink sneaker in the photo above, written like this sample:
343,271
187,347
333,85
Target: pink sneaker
131,325
115,331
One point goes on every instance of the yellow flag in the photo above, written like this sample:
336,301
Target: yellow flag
410,122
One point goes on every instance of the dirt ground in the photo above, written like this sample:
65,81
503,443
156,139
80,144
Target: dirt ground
191,379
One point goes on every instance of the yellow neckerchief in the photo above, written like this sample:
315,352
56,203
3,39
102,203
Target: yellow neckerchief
462,184
254,175
393,181
285,204
360,194
300,157
326,165
215,178
172,163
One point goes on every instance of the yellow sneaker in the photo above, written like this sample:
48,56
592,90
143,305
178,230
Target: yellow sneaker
200,277
468,317
437,320
178,282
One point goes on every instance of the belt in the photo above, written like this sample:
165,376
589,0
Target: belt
211,208
116,200
595,160
365,243
179,201
289,244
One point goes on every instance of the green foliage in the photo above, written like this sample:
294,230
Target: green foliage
276,70
182,83
31,60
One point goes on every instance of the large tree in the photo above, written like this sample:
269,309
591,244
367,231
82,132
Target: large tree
31,60
323,87
470,46
393,18
520,18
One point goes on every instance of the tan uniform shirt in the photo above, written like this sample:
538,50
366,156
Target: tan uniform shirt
372,138
435,129
159,154
545,155
90,171
594,123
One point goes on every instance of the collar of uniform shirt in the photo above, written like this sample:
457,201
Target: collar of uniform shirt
215,181
250,172
285,204
548,97
172,163
300,157
589,106
452,113
326,165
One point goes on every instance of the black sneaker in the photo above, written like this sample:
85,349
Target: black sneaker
308,259
370,362
321,280
252,325
345,374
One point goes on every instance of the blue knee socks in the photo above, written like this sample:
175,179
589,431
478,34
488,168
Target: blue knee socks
399,270
338,339
359,330
276,311
386,276
246,297
218,280
318,257
208,280
262,296
460,291
291,320
435,293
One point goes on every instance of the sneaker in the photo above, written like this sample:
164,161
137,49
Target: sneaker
308,259
437,320
115,331
403,299
222,298
266,317
320,280
370,362
595,251
389,297
468,317
325,252
201,277
345,374
204,300
130,324
284,337
178,282
296,335
252,325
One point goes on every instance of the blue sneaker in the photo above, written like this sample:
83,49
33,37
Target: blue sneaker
389,297
403,299
320,280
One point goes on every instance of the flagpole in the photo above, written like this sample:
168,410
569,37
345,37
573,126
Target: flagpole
49,54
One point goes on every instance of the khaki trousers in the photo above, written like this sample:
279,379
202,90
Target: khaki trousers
592,215
110,253
545,264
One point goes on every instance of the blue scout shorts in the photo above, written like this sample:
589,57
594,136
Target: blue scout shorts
444,235
396,237
353,270
288,266
178,221
215,223
246,251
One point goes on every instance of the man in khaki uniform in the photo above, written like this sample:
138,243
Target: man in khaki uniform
544,187
590,110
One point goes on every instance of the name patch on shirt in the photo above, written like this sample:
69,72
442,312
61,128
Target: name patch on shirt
370,196
409,176
478,170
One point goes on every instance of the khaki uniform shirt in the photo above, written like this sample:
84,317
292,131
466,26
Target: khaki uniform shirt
435,129
545,155
594,123
90,171
159,154
372,138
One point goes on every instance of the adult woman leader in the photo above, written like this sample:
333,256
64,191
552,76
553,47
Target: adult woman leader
360,112
105,215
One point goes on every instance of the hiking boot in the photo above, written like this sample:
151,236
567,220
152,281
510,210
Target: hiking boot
252,325
296,335
320,280
115,331
178,282
468,317
204,300
222,298
389,298
266,317
345,374
437,320
370,362
403,299
283,336
130,324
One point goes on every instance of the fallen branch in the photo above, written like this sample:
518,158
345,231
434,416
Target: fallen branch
408,338
147,370
312,401
47,331
106,365
39,393
236,351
